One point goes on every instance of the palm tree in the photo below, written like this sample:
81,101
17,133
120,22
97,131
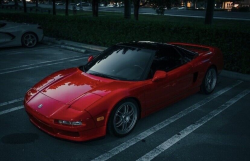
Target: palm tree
24,6
54,7
209,12
95,8
127,9
16,3
136,9
67,8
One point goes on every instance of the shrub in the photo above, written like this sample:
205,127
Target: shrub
111,29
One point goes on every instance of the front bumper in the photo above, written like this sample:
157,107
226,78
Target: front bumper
74,133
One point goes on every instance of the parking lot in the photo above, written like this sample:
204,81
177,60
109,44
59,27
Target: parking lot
200,127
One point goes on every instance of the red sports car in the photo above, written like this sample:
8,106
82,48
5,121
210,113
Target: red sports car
126,82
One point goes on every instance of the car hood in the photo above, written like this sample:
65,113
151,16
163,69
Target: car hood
79,84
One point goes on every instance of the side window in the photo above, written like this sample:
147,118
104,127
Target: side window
188,55
165,59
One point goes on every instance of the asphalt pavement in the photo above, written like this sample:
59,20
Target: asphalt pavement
200,127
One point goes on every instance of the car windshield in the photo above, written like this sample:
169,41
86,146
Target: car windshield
122,63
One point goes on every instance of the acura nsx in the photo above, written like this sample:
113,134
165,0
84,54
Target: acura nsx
124,83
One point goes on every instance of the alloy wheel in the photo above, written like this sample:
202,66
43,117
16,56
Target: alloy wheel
125,118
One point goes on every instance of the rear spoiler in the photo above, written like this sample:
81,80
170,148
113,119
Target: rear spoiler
193,46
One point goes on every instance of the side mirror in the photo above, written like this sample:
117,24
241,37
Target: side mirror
90,58
159,75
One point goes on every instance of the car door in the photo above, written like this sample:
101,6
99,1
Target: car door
179,77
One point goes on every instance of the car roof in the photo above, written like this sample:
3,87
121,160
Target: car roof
145,45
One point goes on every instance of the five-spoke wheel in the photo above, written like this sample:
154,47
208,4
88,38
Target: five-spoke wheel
29,40
123,118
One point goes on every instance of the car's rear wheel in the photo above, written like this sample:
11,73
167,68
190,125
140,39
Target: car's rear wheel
29,40
123,118
209,81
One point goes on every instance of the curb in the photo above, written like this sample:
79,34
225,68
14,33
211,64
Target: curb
70,45
73,49
235,75
80,47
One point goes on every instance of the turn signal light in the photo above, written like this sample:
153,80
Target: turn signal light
100,118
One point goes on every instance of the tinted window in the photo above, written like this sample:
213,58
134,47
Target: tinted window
165,59
122,63
187,54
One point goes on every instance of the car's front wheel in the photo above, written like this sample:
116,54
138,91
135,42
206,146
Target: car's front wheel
123,118
29,40
209,81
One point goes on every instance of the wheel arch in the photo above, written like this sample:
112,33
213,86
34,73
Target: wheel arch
212,66
123,99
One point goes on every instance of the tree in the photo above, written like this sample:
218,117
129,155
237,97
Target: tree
16,3
24,6
136,9
67,8
54,7
209,12
95,7
185,1
127,9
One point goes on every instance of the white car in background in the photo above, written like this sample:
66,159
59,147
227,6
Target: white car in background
110,5
17,34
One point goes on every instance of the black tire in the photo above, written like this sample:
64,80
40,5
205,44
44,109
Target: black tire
125,118
209,81
29,40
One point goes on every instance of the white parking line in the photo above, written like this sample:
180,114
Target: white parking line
17,70
176,138
10,102
161,125
17,50
26,65
11,110
26,52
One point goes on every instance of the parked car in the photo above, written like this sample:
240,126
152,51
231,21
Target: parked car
126,82
84,4
181,8
110,5
17,34
174,8
102,4
59,3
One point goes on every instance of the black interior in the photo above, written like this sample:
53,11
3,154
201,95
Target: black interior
165,59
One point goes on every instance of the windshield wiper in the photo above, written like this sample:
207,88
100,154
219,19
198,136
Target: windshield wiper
104,76
82,68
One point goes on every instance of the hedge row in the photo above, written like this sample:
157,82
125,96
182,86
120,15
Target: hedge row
107,30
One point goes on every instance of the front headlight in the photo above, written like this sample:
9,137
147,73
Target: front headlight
74,123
